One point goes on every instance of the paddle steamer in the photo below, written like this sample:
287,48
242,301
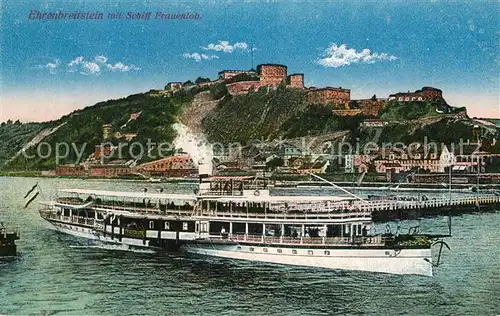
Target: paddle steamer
238,218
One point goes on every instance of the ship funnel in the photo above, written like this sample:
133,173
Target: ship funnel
204,169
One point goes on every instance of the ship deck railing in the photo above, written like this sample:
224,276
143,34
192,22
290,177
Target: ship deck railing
287,215
153,209
335,213
335,210
68,219
389,205
378,240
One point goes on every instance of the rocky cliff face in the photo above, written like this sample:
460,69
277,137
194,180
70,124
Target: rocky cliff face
258,115
194,112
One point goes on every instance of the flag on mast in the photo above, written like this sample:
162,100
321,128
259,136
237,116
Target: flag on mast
31,200
35,187
31,190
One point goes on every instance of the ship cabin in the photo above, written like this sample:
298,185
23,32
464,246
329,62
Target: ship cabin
152,217
234,186
284,220
137,202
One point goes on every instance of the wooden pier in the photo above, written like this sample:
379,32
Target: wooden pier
391,210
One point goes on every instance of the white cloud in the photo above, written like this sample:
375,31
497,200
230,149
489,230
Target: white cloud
221,46
119,66
95,66
74,64
199,57
90,68
224,46
101,59
338,56
76,61
52,67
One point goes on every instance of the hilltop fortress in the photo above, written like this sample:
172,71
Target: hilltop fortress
270,76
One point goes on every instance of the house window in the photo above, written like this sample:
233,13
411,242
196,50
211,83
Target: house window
327,252
151,224
294,252
184,226
264,249
167,225
310,252
280,251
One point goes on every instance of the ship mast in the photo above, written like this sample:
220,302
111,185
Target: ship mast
338,187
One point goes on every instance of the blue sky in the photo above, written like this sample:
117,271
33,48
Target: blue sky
51,67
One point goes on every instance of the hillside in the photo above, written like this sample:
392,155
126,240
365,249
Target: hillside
439,129
271,114
261,115
400,111
14,135
84,128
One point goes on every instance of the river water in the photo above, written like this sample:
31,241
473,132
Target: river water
60,274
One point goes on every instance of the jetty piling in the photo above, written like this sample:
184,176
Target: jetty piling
391,210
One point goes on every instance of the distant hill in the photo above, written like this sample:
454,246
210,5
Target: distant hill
14,135
85,127
266,114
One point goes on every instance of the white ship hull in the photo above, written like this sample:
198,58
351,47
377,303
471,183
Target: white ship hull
74,230
405,261
91,234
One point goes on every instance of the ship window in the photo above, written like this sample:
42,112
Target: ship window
280,251
265,249
309,252
251,249
327,253
151,224
184,226
294,252
238,248
167,225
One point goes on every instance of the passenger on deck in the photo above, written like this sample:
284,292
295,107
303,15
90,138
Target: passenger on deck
223,233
